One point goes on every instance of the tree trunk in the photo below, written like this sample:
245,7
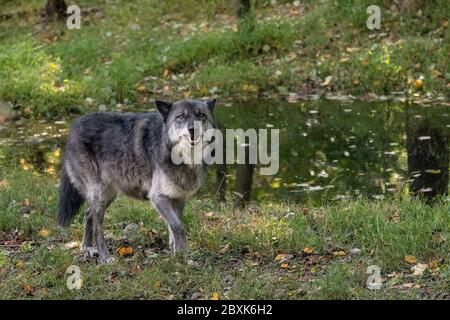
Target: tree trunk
244,15
221,182
55,8
244,180
428,159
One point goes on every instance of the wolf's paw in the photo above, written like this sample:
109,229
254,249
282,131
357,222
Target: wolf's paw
90,252
106,260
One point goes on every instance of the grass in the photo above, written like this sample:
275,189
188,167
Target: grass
232,252
130,53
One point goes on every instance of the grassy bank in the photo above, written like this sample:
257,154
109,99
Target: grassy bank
130,52
273,250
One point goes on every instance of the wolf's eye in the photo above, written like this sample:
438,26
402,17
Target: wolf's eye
180,116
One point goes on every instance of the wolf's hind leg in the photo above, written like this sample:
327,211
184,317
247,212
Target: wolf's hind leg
177,234
98,204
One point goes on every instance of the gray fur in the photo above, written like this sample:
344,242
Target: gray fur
130,153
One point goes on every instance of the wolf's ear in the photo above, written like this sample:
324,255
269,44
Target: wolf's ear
163,108
211,104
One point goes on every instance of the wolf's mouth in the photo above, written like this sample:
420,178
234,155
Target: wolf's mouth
191,141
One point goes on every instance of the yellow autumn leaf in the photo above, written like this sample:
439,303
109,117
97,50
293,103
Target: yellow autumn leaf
44,233
339,253
308,250
53,66
410,259
275,184
285,266
215,296
19,264
280,257
418,84
123,251
141,88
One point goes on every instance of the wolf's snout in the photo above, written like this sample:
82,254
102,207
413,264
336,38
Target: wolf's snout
191,132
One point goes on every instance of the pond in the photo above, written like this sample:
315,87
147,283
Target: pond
328,150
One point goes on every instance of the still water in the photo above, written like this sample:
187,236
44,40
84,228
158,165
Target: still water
328,149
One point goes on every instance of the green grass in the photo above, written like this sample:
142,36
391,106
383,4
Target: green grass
184,50
232,252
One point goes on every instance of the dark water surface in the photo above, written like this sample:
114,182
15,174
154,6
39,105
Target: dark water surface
328,149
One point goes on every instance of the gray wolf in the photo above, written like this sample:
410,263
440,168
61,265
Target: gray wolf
107,153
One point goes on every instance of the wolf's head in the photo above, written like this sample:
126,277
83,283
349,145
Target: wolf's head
187,121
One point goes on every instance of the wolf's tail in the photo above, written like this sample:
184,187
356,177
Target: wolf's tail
70,200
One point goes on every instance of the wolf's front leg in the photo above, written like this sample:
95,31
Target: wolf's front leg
87,245
177,234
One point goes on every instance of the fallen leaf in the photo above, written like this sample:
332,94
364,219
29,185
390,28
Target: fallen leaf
419,268
28,289
418,84
339,253
71,245
280,257
286,266
410,259
44,233
124,251
215,296
308,250
26,202
432,171
141,88
209,214
327,81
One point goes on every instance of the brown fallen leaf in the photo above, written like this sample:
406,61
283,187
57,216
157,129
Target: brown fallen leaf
26,202
166,73
410,259
124,251
308,250
28,290
285,266
280,257
339,253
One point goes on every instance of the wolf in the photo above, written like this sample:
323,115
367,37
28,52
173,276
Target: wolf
110,153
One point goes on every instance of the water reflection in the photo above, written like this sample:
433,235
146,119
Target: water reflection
428,155
328,149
